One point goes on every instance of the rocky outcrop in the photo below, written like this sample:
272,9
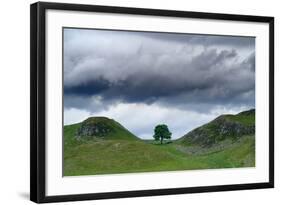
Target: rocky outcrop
224,127
102,128
94,127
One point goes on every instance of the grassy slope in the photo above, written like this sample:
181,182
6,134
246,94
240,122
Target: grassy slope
242,118
246,118
116,155
117,131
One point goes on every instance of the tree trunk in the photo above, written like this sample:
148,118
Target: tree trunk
161,140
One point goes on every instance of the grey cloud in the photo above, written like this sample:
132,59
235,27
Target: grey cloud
157,68
206,40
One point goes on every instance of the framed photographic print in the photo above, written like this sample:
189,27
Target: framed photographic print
129,102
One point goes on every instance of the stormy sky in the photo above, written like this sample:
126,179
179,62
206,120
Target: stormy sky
142,79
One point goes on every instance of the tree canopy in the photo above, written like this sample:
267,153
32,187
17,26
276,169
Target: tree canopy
162,132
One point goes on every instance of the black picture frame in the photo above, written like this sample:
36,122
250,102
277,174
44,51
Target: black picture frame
38,101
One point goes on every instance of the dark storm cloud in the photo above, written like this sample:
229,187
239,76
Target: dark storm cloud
91,88
168,69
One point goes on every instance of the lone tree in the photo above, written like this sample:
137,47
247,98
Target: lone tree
161,132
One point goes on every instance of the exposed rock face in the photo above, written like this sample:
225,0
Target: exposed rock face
102,128
97,127
231,128
223,127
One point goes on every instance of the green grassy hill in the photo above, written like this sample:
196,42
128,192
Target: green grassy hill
223,128
100,145
103,128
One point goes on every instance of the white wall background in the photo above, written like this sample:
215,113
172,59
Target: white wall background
14,101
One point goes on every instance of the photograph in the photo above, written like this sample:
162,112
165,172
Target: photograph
146,101
134,102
